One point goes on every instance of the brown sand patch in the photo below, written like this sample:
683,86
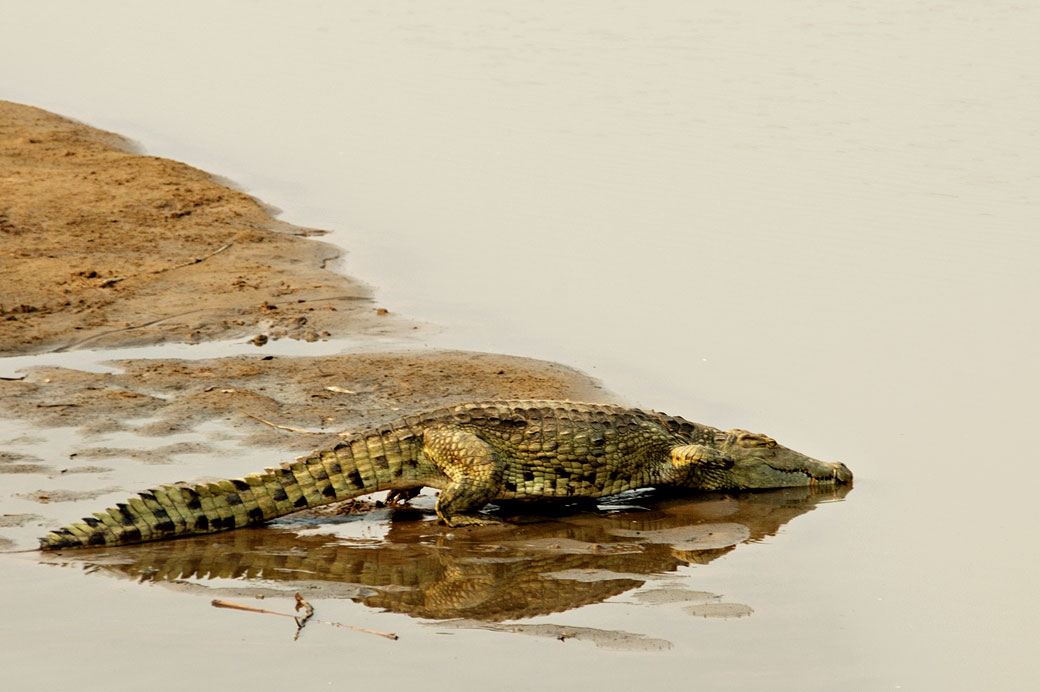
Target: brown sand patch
103,247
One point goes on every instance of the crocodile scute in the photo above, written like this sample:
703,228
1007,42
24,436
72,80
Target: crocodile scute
475,453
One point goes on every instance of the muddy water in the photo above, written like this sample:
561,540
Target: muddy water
817,220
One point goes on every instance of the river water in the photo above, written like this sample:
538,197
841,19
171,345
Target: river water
815,219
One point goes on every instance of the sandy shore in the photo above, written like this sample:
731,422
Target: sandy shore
103,247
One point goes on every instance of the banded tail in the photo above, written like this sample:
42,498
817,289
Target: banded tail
362,465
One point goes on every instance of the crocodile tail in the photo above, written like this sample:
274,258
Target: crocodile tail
344,472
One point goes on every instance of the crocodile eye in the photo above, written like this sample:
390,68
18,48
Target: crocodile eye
752,440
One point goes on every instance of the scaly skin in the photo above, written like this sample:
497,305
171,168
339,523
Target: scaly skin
474,453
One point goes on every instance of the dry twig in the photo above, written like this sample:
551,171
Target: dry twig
109,283
307,615
237,606
282,427
196,260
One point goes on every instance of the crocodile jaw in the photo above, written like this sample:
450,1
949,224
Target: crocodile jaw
759,462
766,473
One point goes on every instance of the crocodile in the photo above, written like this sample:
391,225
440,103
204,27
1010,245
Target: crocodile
475,454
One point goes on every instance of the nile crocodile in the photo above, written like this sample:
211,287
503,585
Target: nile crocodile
475,454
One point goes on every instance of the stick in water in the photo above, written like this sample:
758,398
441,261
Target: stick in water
237,606
308,613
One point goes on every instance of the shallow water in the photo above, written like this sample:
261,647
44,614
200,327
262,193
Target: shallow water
817,220
403,561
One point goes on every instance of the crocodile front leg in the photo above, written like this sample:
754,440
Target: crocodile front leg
474,471
699,455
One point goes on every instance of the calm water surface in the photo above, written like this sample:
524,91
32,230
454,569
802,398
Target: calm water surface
817,220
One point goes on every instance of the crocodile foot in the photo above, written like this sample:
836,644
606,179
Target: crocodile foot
401,496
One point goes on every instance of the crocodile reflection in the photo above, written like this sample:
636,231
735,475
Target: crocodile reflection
489,574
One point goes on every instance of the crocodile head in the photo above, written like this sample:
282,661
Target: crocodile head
741,460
